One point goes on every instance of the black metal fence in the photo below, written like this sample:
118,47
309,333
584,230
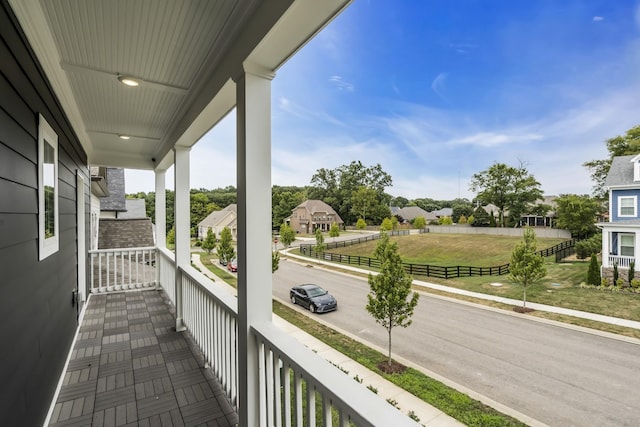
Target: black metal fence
358,241
441,272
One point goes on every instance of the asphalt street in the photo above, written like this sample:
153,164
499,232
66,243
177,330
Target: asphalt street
559,376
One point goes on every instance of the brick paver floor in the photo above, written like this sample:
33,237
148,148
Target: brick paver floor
130,368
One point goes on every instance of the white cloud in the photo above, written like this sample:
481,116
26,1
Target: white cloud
341,84
492,139
437,85
598,18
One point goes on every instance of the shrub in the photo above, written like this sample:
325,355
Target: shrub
632,271
585,248
620,282
361,224
593,275
615,274
604,282
462,219
445,220
635,283
470,220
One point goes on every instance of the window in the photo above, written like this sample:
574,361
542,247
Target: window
47,189
627,244
627,206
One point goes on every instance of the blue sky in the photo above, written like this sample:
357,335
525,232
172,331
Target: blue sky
436,91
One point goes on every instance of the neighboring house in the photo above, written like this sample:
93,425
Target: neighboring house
313,214
441,213
409,213
123,223
218,220
535,220
621,234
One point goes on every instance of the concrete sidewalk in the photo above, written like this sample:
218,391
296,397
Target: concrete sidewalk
406,402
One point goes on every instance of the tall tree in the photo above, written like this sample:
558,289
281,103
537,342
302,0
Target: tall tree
526,266
387,225
209,242
319,241
200,208
287,235
390,300
627,144
577,213
283,201
362,201
334,231
225,250
508,188
399,201
275,261
336,187
461,207
419,222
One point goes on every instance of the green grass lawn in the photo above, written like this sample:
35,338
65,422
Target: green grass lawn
475,250
211,262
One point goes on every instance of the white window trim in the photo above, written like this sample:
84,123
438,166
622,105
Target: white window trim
620,243
47,246
635,206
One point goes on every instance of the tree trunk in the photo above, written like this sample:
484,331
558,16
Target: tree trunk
389,359
524,301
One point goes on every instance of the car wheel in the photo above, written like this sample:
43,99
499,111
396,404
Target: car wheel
312,308
293,299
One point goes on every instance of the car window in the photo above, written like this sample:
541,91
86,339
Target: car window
316,292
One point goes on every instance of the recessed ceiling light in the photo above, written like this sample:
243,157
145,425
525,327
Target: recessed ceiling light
124,137
129,81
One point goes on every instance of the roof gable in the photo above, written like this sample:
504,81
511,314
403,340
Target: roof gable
215,218
318,206
621,171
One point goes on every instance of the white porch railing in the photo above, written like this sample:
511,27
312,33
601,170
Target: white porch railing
293,381
123,269
622,261
211,316
167,272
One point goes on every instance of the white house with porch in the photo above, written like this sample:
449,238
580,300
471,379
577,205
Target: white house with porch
621,234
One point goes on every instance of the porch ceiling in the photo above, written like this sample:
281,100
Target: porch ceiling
184,54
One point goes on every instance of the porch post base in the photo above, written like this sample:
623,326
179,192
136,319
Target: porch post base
180,327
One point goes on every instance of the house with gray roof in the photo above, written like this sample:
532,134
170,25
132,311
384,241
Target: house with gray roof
218,220
409,213
313,214
621,234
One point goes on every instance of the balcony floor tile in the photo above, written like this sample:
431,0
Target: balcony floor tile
130,367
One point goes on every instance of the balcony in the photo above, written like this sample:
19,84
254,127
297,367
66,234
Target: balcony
129,365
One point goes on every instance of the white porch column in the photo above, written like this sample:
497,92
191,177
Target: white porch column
161,209
606,241
254,229
182,223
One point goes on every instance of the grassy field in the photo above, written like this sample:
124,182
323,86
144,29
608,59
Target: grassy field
475,250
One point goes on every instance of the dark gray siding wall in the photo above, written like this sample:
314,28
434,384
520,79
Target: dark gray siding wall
37,317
